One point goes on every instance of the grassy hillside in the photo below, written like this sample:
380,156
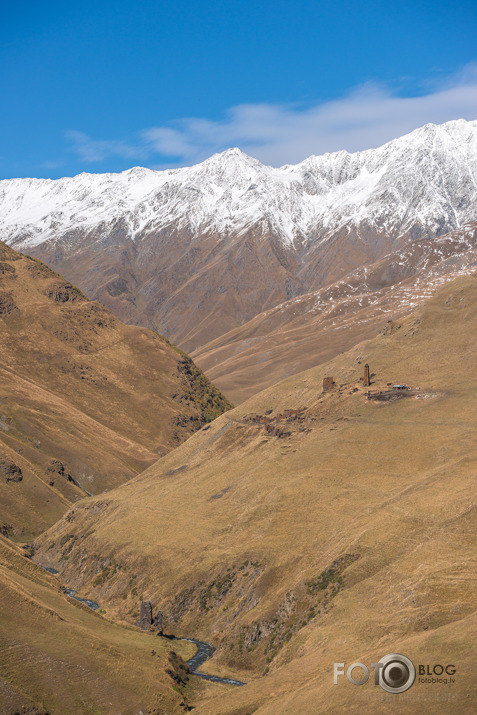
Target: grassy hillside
86,402
58,656
348,535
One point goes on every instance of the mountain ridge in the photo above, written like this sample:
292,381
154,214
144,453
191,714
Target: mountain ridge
198,252
144,195
316,326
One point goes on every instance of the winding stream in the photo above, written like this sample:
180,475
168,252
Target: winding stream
204,650
87,602
72,592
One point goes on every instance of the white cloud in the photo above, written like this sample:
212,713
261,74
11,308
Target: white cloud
366,117
92,150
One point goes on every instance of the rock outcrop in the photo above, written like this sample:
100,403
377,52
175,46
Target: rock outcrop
10,470
7,304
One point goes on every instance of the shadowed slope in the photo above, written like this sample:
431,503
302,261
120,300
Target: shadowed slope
86,402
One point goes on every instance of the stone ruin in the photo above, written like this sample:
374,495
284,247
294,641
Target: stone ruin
159,623
259,419
366,377
292,414
276,431
288,415
146,621
145,616
328,384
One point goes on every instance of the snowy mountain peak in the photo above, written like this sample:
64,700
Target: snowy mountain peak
422,183
227,163
235,152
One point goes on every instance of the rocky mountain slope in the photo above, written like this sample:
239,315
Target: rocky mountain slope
316,326
199,251
86,402
305,527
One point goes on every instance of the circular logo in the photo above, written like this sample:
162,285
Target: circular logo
397,673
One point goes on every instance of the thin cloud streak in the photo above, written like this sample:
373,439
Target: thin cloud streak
92,150
367,117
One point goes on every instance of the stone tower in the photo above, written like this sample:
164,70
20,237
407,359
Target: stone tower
159,623
366,380
145,616
328,384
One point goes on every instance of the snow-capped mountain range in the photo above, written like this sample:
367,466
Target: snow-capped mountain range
202,252
424,183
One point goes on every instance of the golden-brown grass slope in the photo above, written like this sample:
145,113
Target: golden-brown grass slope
85,401
59,657
350,538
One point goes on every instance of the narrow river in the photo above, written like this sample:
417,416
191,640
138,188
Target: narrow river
204,650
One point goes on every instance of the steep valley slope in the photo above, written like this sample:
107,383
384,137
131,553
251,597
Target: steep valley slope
306,527
86,402
316,326
58,656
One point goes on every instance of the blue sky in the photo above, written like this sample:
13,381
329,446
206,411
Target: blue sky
103,86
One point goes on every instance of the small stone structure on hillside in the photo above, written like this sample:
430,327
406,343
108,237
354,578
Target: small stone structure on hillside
328,384
145,616
366,378
288,415
159,623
